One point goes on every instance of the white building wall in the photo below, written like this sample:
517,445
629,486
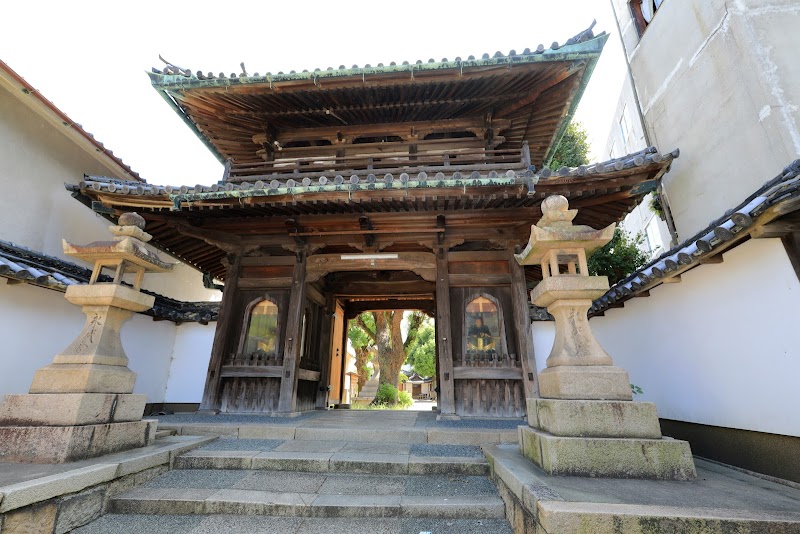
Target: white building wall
37,323
36,159
720,348
187,374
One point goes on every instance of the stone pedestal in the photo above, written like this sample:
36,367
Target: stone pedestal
619,439
82,405
586,423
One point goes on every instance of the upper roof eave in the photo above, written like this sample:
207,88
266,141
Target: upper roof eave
171,79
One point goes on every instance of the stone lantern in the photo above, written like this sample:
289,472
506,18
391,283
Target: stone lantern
585,422
82,404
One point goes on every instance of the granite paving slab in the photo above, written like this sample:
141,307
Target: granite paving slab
424,449
296,445
449,485
363,484
234,444
199,478
281,481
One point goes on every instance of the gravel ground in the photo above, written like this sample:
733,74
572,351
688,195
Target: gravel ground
423,449
429,420
165,524
451,485
233,444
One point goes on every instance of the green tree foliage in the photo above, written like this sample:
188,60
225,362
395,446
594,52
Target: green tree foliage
386,394
573,149
422,353
404,399
619,258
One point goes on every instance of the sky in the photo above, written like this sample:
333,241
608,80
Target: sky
90,57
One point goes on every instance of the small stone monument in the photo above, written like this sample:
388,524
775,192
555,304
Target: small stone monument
82,405
585,422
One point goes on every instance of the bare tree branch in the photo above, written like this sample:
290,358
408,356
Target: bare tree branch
361,324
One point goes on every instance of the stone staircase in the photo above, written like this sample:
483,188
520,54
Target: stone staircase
315,485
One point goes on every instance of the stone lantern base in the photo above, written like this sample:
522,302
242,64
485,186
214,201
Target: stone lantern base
82,405
602,438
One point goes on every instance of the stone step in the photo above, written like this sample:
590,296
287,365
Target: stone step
165,433
304,494
236,524
720,499
327,460
505,432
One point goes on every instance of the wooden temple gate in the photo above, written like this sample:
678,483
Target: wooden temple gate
293,370
387,188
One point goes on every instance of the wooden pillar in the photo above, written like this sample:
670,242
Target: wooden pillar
291,348
221,334
444,340
325,342
522,324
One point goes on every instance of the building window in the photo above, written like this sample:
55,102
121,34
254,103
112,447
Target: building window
262,329
643,12
484,327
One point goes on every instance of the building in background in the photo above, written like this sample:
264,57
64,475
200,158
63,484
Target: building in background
41,148
626,136
720,80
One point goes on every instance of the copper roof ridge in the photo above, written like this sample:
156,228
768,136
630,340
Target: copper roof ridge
168,76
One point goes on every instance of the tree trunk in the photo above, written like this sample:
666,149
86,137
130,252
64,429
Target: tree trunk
389,342
362,356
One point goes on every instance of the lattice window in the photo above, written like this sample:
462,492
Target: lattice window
484,333
261,337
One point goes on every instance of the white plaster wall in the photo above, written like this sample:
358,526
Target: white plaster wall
720,348
37,323
36,211
192,352
720,80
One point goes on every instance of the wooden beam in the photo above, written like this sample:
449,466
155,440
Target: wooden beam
469,280
222,240
309,375
444,340
222,332
712,260
522,324
402,129
421,263
257,283
287,402
269,261
775,229
259,371
485,373
315,296
672,280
